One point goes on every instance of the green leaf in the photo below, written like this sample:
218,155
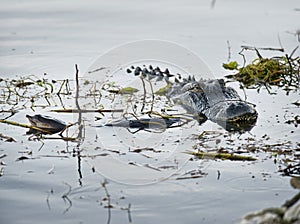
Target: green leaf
128,90
233,65
163,90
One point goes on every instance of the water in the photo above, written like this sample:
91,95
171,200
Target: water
57,185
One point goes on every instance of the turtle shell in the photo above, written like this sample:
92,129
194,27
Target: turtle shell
49,124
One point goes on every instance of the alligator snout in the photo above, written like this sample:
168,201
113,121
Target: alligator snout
234,115
233,111
238,109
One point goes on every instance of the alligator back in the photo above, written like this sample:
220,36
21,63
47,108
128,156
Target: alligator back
209,98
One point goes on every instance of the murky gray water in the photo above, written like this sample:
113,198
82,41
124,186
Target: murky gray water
56,184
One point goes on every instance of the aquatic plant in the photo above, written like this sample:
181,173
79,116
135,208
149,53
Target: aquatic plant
281,71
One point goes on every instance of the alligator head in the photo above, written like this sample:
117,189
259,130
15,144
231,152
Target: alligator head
215,101
233,115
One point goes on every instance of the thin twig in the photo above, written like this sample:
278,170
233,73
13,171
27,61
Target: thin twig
144,95
77,104
152,94
66,198
7,138
24,126
262,48
128,212
87,110
229,51
109,206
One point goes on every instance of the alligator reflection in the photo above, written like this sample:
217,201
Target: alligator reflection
154,124
161,124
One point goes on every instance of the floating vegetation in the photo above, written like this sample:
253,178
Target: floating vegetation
7,138
291,170
193,174
32,92
215,145
210,141
295,121
281,71
125,90
113,88
145,110
223,156
162,91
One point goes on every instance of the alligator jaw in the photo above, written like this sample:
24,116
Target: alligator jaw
242,123
247,117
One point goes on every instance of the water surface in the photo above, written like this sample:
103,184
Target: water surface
66,183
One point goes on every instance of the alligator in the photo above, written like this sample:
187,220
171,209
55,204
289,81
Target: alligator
207,99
